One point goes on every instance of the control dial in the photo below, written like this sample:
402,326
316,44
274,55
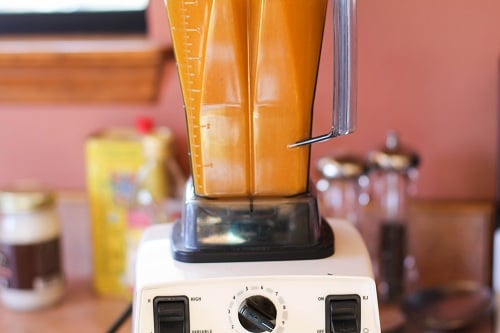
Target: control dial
257,314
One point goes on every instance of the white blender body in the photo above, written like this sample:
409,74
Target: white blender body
334,294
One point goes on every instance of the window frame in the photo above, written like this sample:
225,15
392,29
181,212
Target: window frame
108,22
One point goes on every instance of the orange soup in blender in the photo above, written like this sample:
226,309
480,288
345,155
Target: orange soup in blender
248,74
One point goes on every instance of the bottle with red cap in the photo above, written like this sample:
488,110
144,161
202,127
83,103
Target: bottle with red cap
152,179
152,188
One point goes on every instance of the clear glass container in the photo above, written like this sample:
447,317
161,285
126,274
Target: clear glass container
342,187
393,175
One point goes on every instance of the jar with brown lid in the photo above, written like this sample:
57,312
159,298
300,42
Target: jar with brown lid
30,262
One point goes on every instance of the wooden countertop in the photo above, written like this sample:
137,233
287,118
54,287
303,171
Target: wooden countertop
79,311
392,321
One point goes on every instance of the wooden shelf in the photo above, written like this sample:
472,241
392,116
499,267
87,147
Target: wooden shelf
80,69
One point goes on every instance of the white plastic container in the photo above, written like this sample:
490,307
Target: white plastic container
30,262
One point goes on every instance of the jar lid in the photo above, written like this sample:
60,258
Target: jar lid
21,201
393,157
340,167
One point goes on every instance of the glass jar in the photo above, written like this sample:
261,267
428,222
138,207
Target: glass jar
343,193
341,187
393,171
30,262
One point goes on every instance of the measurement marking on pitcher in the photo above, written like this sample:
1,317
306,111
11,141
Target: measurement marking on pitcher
197,30
191,33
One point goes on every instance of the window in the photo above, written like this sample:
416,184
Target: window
77,51
72,16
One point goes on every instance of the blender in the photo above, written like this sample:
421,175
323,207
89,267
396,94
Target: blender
251,252
248,74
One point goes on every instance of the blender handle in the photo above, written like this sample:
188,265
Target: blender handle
344,73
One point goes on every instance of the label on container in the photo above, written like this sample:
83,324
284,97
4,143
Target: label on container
30,266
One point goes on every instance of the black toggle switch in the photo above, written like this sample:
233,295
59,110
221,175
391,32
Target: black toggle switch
343,314
171,314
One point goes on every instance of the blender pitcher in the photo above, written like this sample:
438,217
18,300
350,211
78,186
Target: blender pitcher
248,71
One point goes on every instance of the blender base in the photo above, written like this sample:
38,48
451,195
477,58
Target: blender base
250,229
323,248
212,297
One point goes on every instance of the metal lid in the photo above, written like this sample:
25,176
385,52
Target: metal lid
340,167
21,201
393,157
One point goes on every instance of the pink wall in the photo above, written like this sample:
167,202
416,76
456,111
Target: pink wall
428,68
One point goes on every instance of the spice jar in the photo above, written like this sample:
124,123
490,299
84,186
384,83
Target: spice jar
30,262
393,171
